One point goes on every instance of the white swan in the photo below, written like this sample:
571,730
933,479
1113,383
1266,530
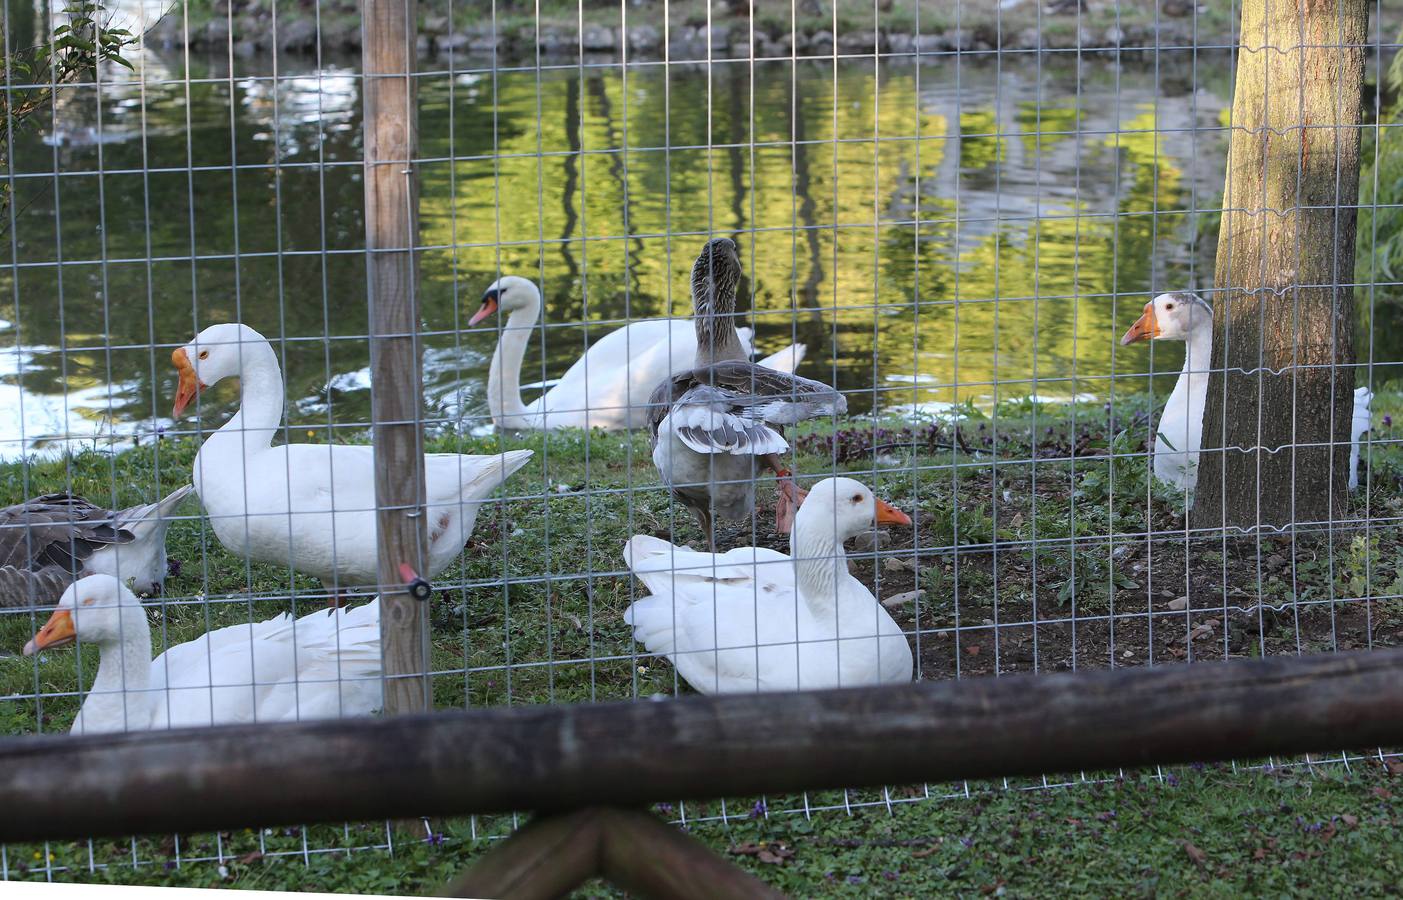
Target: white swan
1182,316
607,387
753,619
47,542
323,665
311,506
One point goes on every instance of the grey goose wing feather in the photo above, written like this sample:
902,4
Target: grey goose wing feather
46,542
707,421
729,407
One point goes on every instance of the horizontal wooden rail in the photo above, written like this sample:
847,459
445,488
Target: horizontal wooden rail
567,757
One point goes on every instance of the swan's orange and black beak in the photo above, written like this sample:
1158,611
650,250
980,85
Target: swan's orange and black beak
489,306
189,386
57,632
890,515
1145,328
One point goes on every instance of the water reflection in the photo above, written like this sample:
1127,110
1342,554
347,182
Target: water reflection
966,237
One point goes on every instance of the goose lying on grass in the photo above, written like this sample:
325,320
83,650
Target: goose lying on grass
711,426
322,665
753,619
1182,316
47,542
311,506
607,387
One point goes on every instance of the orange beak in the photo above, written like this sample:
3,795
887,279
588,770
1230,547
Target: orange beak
190,385
890,515
489,306
1144,329
57,632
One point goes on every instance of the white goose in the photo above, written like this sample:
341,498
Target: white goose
607,387
753,619
1182,316
323,665
311,506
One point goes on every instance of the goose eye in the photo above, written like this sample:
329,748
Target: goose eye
857,498
204,354
1169,306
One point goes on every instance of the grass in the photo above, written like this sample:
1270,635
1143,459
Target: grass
1030,544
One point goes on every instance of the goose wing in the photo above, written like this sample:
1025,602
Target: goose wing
780,398
56,530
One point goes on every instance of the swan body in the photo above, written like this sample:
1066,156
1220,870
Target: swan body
608,387
311,506
1182,316
322,665
753,619
48,542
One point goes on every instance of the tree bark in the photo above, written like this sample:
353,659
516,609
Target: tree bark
1280,396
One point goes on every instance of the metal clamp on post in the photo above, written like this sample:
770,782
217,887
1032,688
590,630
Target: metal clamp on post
415,586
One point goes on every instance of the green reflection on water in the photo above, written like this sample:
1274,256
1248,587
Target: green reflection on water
1050,189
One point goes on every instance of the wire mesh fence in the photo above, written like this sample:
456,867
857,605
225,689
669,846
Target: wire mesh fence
949,218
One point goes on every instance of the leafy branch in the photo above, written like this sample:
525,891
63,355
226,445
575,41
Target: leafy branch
72,54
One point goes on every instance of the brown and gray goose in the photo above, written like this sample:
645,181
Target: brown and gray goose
49,542
712,426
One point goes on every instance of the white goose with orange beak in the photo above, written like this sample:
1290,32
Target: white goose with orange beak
753,619
1182,316
323,665
311,507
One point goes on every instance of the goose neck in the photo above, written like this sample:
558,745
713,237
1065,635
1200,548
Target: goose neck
1198,355
120,698
819,563
260,397
717,339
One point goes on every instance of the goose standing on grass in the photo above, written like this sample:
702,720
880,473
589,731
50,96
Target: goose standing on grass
1182,316
311,506
712,425
753,619
48,542
323,665
607,387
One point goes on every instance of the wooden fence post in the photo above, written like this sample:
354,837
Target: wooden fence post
391,233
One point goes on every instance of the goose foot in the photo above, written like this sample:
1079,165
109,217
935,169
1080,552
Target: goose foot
790,497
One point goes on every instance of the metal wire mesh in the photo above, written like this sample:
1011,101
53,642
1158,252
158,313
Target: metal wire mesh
956,218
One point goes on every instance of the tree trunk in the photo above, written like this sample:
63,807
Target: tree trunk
1281,390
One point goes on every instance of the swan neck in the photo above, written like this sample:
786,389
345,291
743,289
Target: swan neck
120,698
504,378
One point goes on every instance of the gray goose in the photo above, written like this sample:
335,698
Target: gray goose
49,542
713,425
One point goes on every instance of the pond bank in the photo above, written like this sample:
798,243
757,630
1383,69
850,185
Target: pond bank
563,31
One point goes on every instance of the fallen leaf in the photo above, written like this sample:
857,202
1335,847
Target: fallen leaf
905,597
929,851
1328,832
252,857
1394,766
971,649
1259,854
1195,854
993,888
1349,820
1383,793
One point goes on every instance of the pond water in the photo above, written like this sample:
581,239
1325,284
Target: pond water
981,229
